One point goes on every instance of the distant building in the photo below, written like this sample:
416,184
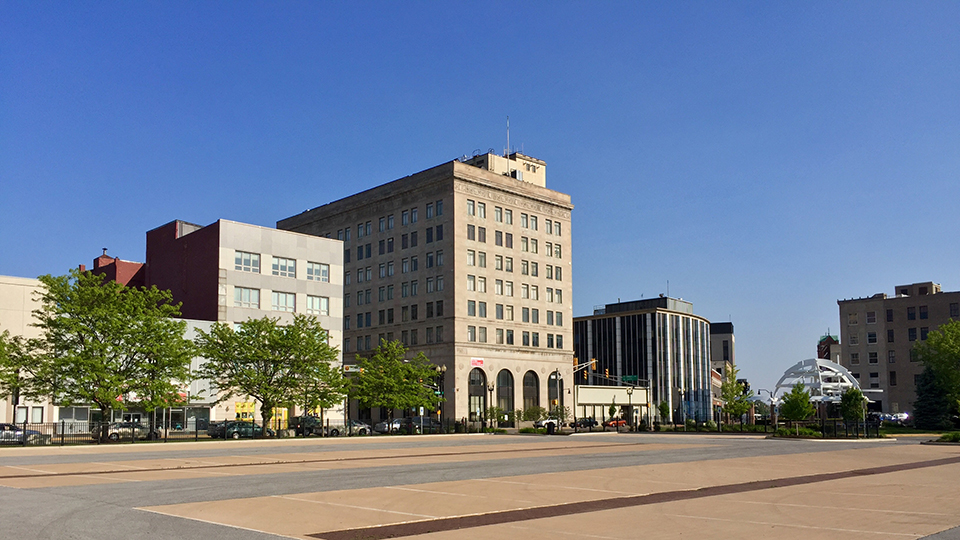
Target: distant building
659,340
722,347
828,348
878,334
469,263
127,273
18,300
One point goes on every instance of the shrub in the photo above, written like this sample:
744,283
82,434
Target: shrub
953,436
532,430
804,433
711,425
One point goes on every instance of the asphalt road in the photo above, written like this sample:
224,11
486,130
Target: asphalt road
70,503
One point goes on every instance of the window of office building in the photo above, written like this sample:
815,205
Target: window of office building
911,334
284,301
872,358
911,313
318,305
481,210
955,310
871,317
318,272
871,337
854,358
471,333
923,312
284,267
890,336
247,262
471,208
923,333
891,357
889,315
248,298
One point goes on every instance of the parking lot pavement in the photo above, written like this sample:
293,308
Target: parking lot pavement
617,486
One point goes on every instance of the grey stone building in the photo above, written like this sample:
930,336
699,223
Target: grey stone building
469,263
878,334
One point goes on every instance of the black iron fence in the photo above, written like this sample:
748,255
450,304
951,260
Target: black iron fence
72,433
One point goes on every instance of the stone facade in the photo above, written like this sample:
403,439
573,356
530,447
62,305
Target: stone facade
437,260
877,335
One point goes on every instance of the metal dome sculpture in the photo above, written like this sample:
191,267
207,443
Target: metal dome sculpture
823,379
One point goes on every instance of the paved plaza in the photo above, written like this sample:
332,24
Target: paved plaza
592,485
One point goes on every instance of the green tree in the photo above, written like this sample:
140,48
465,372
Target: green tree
736,397
277,365
664,409
532,414
938,389
796,405
389,380
103,343
933,406
18,367
851,405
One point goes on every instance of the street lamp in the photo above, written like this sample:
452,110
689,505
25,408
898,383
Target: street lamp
630,397
773,410
441,371
490,387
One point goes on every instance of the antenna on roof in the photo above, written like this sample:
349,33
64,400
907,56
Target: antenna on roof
104,250
507,153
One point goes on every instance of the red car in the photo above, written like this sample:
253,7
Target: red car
615,423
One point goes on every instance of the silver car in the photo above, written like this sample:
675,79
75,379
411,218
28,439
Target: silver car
388,426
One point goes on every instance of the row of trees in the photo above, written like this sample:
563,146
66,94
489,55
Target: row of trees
112,346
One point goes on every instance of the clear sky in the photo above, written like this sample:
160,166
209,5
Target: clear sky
765,158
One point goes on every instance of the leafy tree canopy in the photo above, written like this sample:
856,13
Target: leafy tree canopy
939,387
389,380
796,404
736,397
277,365
851,405
104,343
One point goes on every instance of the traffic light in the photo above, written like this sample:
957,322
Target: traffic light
593,364
606,372
575,362
584,374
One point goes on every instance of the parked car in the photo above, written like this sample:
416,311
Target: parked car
615,423
388,426
420,424
118,431
584,423
238,429
306,425
543,423
14,434
353,427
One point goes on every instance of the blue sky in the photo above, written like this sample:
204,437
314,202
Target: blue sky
764,158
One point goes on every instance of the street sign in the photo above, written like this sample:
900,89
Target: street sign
630,378
348,368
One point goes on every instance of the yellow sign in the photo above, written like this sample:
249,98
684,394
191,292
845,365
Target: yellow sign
244,410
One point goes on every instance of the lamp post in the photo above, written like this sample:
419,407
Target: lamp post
441,372
773,410
630,398
490,387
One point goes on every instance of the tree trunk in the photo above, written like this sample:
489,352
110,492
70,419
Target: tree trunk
266,414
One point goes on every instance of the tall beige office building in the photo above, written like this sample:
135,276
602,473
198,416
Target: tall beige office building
469,263
878,334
